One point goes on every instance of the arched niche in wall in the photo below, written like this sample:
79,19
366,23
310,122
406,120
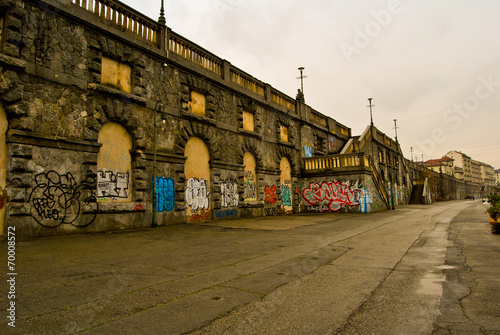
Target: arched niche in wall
286,185
114,166
197,172
250,177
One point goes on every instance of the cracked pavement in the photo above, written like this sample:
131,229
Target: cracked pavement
416,270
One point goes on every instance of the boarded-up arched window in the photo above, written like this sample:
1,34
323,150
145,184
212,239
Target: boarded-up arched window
286,184
114,167
249,180
197,171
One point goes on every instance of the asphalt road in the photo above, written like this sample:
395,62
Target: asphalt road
416,270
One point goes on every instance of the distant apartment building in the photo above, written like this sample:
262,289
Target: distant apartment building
487,174
462,164
497,177
441,165
476,171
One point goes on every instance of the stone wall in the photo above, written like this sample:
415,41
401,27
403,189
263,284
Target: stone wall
64,79
83,95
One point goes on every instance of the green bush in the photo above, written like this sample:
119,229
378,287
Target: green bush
494,209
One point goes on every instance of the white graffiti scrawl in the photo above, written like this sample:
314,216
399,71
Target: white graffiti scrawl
229,194
112,185
197,194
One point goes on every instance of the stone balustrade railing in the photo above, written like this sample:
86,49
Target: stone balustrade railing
187,49
340,162
247,81
123,17
283,99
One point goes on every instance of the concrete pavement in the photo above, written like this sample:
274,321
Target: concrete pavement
327,273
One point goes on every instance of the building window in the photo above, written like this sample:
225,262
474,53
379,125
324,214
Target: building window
320,144
197,103
284,133
116,74
248,121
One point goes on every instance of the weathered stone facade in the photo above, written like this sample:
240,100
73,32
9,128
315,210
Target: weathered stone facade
80,84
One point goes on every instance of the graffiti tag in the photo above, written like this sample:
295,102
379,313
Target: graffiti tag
225,214
58,199
197,195
366,201
286,195
308,151
336,193
270,192
229,194
165,194
249,186
138,208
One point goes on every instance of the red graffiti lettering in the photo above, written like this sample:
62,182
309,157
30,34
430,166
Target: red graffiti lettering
336,193
138,207
270,194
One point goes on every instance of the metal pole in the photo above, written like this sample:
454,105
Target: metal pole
396,129
392,181
371,116
301,69
158,106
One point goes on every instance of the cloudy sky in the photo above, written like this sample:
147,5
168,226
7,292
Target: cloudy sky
432,65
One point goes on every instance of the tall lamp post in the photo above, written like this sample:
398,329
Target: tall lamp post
301,69
159,108
394,159
371,115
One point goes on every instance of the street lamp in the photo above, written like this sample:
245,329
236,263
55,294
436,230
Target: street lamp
301,69
396,129
371,116
159,108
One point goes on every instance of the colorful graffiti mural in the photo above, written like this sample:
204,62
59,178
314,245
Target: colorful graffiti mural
58,199
249,190
286,195
197,194
365,205
331,143
165,194
112,185
229,194
270,193
308,150
335,193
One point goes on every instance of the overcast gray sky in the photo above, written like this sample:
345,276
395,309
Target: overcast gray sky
432,65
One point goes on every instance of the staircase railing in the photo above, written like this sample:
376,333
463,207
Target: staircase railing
379,184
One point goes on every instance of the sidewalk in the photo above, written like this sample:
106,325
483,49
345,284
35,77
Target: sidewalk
471,295
176,279
75,282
